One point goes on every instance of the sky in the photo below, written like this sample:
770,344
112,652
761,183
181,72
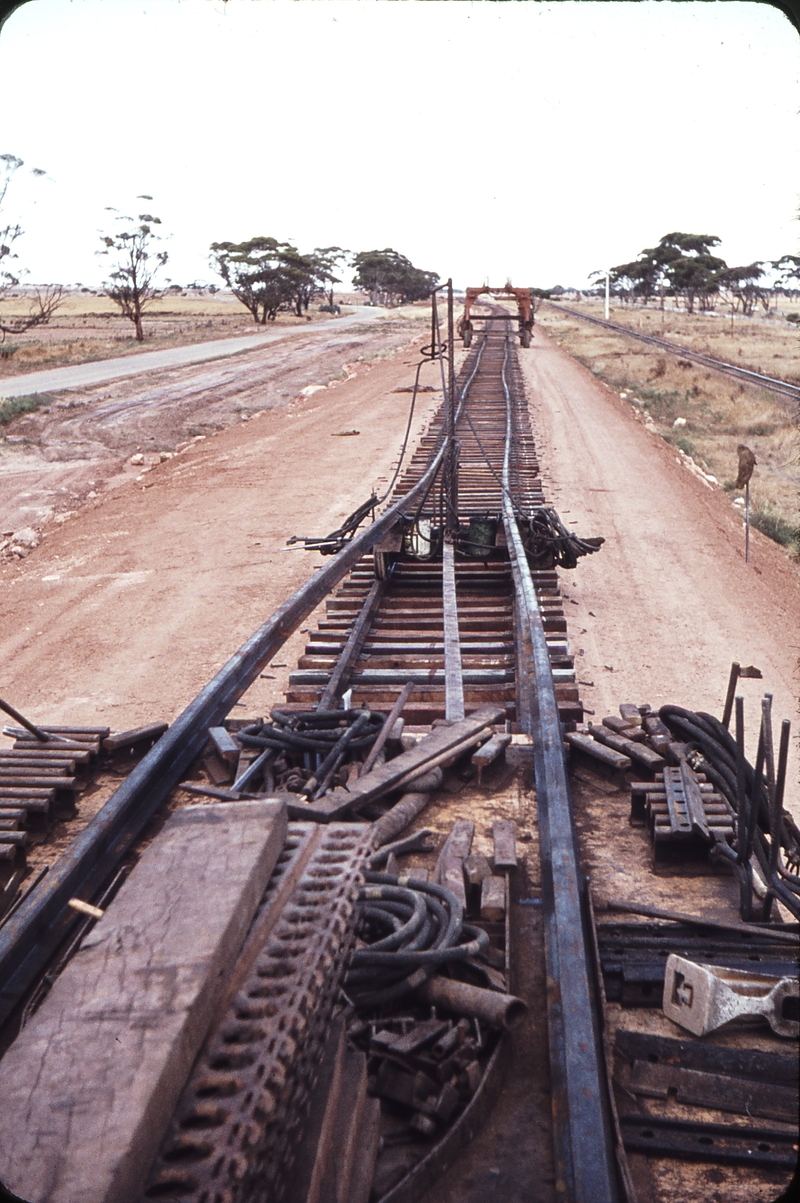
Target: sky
486,141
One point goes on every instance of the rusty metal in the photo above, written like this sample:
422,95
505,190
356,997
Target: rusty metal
757,1084
702,998
491,1007
581,1107
234,1134
633,956
524,301
660,1136
38,927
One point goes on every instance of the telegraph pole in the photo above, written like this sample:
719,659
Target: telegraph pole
451,456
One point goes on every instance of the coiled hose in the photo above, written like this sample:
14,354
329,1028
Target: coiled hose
718,760
409,928
545,537
319,741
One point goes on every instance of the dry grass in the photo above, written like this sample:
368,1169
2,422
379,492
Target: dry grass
89,327
719,412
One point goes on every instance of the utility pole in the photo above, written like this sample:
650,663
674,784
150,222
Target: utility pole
608,290
451,455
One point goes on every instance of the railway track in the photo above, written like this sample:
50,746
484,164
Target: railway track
447,606
407,608
783,388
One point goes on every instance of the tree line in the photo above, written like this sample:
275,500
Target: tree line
266,275
685,266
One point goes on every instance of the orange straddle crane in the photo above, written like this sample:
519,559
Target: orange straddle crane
524,305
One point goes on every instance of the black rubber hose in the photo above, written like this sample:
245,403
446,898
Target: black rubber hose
436,941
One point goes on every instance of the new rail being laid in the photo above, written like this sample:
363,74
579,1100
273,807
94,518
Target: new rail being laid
439,593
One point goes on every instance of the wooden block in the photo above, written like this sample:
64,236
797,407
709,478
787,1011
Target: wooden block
638,752
654,726
631,714
137,735
227,748
91,1082
219,771
620,727
493,899
505,847
475,869
491,750
597,751
450,865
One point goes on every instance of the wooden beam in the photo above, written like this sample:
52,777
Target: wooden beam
441,742
91,1082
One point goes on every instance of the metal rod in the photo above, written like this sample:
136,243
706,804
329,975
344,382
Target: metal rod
451,459
741,793
783,761
453,677
385,731
581,1108
732,681
43,736
655,912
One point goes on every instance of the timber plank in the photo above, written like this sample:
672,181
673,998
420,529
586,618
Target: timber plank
381,780
90,1083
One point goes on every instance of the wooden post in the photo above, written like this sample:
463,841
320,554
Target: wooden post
747,523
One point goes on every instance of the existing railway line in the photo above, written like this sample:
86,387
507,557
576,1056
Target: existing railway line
448,604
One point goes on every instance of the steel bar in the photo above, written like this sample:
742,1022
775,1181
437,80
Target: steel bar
454,682
772,931
340,676
581,1110
385,731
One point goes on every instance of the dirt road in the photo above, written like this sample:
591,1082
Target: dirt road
101,371
126,610
668,602
80,444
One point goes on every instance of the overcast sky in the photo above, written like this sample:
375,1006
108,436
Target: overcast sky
530,140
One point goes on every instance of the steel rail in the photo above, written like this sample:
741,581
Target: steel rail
772,383
585,1164
32,934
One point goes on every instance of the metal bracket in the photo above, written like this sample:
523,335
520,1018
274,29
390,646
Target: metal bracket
702,998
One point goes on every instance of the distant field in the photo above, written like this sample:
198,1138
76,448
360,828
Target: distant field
719,412
88,327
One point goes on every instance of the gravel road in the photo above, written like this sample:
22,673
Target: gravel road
83,375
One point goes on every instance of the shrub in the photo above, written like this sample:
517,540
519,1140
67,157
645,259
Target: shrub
760,428
7,350
772,524
20,405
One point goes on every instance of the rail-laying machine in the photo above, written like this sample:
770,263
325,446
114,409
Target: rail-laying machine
524,303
